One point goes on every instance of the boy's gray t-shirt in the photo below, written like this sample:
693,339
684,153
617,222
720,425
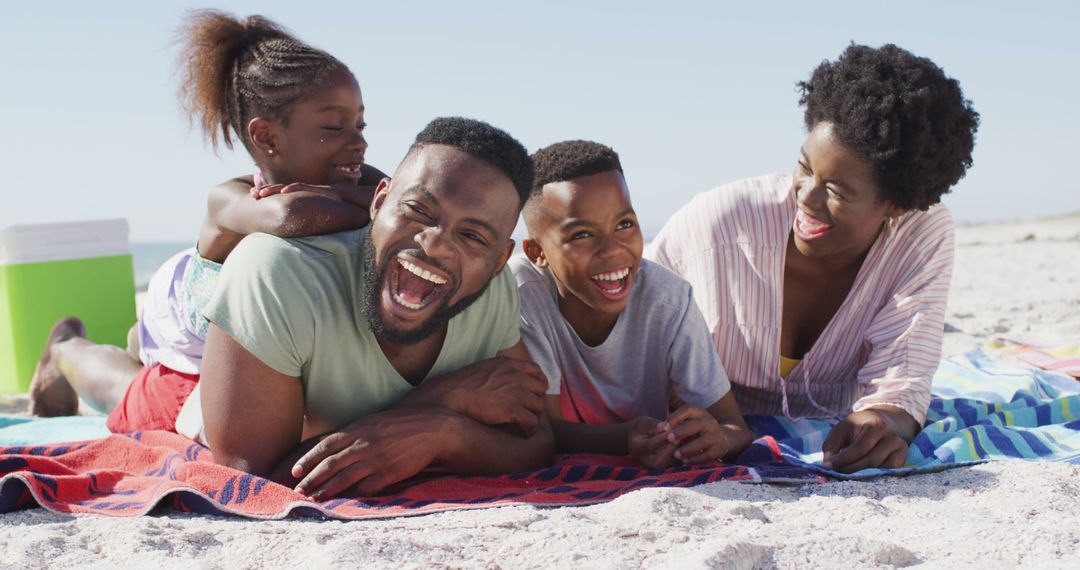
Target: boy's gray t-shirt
660,343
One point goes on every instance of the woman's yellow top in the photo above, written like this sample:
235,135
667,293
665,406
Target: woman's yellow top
787,365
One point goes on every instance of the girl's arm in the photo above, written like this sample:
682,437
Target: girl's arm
232,213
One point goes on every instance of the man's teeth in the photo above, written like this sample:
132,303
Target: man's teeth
421,273
350,169
613,275
406,304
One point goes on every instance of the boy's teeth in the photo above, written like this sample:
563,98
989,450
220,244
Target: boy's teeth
421,273
613,275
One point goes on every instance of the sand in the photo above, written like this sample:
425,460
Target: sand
1019,280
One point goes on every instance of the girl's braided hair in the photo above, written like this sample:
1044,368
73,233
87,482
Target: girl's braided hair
235,70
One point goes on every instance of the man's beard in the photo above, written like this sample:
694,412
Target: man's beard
373,279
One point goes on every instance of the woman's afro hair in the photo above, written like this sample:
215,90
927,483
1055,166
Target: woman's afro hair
901,113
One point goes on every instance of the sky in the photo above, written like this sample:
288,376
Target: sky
691,94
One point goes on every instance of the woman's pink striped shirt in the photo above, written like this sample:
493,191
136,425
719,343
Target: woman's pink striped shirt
880,349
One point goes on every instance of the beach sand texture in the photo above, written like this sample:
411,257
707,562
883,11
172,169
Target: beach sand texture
1019,280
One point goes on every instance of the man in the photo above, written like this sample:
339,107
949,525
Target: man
399,340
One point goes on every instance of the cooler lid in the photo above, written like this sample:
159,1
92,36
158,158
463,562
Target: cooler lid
61,241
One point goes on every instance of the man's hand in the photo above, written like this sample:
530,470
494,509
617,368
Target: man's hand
374,452
496,391
699,437
875,437
648,443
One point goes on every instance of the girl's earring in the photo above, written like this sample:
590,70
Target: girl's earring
270,151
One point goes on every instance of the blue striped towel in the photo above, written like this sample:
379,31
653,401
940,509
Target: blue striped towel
981,410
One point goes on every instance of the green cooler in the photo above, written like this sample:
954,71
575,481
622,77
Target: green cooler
50,271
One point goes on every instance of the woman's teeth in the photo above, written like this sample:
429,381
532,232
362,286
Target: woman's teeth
809,228
421,273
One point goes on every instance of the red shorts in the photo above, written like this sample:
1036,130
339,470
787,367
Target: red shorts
153,400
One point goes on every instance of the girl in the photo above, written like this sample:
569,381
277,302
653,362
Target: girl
298,112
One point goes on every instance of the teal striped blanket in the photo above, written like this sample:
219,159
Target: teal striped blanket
981,410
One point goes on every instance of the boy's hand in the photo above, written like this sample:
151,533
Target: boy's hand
874,437
699,437
648,443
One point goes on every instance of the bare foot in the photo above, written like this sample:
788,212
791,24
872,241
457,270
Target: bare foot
133,343
50,393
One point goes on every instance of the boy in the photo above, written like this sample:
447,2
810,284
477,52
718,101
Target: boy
614,334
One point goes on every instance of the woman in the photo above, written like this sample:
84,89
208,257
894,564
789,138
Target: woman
825,290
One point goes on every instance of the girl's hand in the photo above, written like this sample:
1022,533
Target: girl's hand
359,196
272,189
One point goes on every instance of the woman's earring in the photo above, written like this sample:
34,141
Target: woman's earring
270,151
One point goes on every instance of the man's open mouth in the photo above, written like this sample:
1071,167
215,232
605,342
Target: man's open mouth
414,284
612,284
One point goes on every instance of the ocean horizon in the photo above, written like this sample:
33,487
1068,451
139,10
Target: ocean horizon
148,256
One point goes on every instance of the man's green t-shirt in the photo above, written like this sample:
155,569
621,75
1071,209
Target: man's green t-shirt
296,305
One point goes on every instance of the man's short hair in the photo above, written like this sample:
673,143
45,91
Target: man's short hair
481,140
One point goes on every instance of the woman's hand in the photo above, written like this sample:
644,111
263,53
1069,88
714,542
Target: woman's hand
874,437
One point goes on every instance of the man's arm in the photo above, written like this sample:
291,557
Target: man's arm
253,414
506,450
387,447
507,389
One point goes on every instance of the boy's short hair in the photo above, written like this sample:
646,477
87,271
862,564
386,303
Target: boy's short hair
568,160
481,140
